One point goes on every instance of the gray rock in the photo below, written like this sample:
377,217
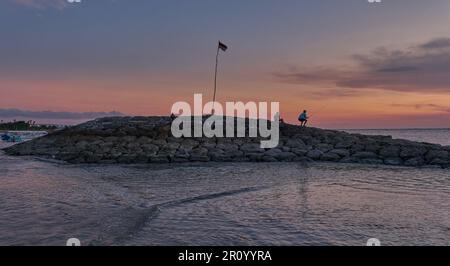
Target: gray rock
171,139
372,147
107,161
200,151
67,156
416,161
393,161
209,143
303,159
159,142
287,149
273,152
437,154
82,144
77,160
127,159
149,148
220,158
181,154
167,151
355,148
299,152
144,140
343,145
439,161
135,145
199,158
111,139
410,152
236,154
269,159
228,147
390,151
330,156
188,144
295,143
365,155
116,152
238,141
129,139
160,159
176,159
251,148
254,157
350,160
285,156
142,158
314,154
93,158
371,161
172,145
341,152
324,147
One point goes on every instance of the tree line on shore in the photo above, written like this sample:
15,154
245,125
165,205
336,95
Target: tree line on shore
25,125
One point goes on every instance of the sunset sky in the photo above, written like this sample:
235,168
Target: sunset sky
352,64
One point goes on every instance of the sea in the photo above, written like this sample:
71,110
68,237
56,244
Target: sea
46,202
437,135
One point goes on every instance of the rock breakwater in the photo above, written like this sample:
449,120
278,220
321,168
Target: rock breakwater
131,140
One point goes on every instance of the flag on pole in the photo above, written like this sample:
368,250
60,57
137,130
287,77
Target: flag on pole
222,46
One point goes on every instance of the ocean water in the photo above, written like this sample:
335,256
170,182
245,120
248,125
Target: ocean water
438,136
46,203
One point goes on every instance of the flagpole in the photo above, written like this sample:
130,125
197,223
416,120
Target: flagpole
215,78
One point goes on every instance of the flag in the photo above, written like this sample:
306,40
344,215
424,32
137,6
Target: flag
222,46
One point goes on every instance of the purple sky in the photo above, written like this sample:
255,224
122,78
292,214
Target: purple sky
351,63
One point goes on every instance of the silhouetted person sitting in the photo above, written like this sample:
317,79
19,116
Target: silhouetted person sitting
303,118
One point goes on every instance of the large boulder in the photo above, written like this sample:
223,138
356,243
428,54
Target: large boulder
188,144
324,147
437,155
299,152
341,152
416,161
390,151
343,145
330,156
295,143
315,154
273,152
365,155
412,152
285,156
251,148
393,161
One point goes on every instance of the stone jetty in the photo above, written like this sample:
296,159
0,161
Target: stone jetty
136,140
